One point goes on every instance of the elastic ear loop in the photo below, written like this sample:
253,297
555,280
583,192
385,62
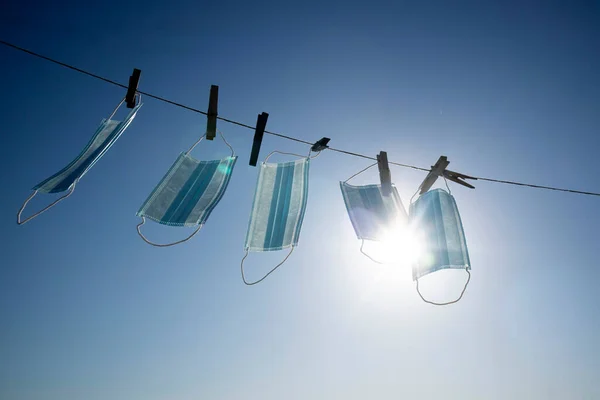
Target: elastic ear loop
449,302
363,240
419,188
292,248
199,226
202,138
167,244
116,109
268,273
139,100
292,154
19,222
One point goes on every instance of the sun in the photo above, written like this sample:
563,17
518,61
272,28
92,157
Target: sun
400,246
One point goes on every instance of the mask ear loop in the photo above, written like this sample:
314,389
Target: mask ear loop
449,302
116,109
268,273
199,226
291,154
19,222
447,187
360,172
139,101
413,196
167,244
309,157
362,244
202,138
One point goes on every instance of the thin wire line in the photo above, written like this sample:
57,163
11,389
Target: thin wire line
230,121
448,302
539,186
360,172
375,159
268,273
139,227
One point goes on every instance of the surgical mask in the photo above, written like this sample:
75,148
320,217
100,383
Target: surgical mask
66,179
278,208
188,193
374,216
435,216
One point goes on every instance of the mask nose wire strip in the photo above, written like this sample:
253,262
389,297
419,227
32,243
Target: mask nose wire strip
450,302
168,244
268,273
19,222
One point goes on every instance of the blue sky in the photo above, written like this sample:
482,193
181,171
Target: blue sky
506,90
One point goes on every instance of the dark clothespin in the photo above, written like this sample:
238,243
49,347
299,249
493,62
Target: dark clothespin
211,124
261,124
384,173
458,178
320,144
439,169
134,80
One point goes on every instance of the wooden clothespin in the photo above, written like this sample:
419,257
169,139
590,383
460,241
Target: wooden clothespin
320,144
439,169
211,124
458,178
384,173
134,80
261,124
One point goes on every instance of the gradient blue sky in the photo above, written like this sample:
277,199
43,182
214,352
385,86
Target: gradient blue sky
505,89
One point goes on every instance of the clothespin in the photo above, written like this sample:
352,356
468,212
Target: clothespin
261,124
384,173
457,177
211,124
134,80
320,144
439,169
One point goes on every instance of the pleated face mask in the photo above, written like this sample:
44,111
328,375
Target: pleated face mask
375,216
188,193
435,216
278,208
65,180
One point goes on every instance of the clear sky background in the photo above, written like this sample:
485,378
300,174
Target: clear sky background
507,90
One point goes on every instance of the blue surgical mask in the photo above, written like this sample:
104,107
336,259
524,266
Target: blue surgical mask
65,180
374,216
278,208
188,193
435,216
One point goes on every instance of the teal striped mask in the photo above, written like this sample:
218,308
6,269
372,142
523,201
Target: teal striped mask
278,208
67,178
188,193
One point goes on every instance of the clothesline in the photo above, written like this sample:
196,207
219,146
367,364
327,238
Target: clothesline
227,120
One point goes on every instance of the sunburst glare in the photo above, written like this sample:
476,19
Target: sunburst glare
399,246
